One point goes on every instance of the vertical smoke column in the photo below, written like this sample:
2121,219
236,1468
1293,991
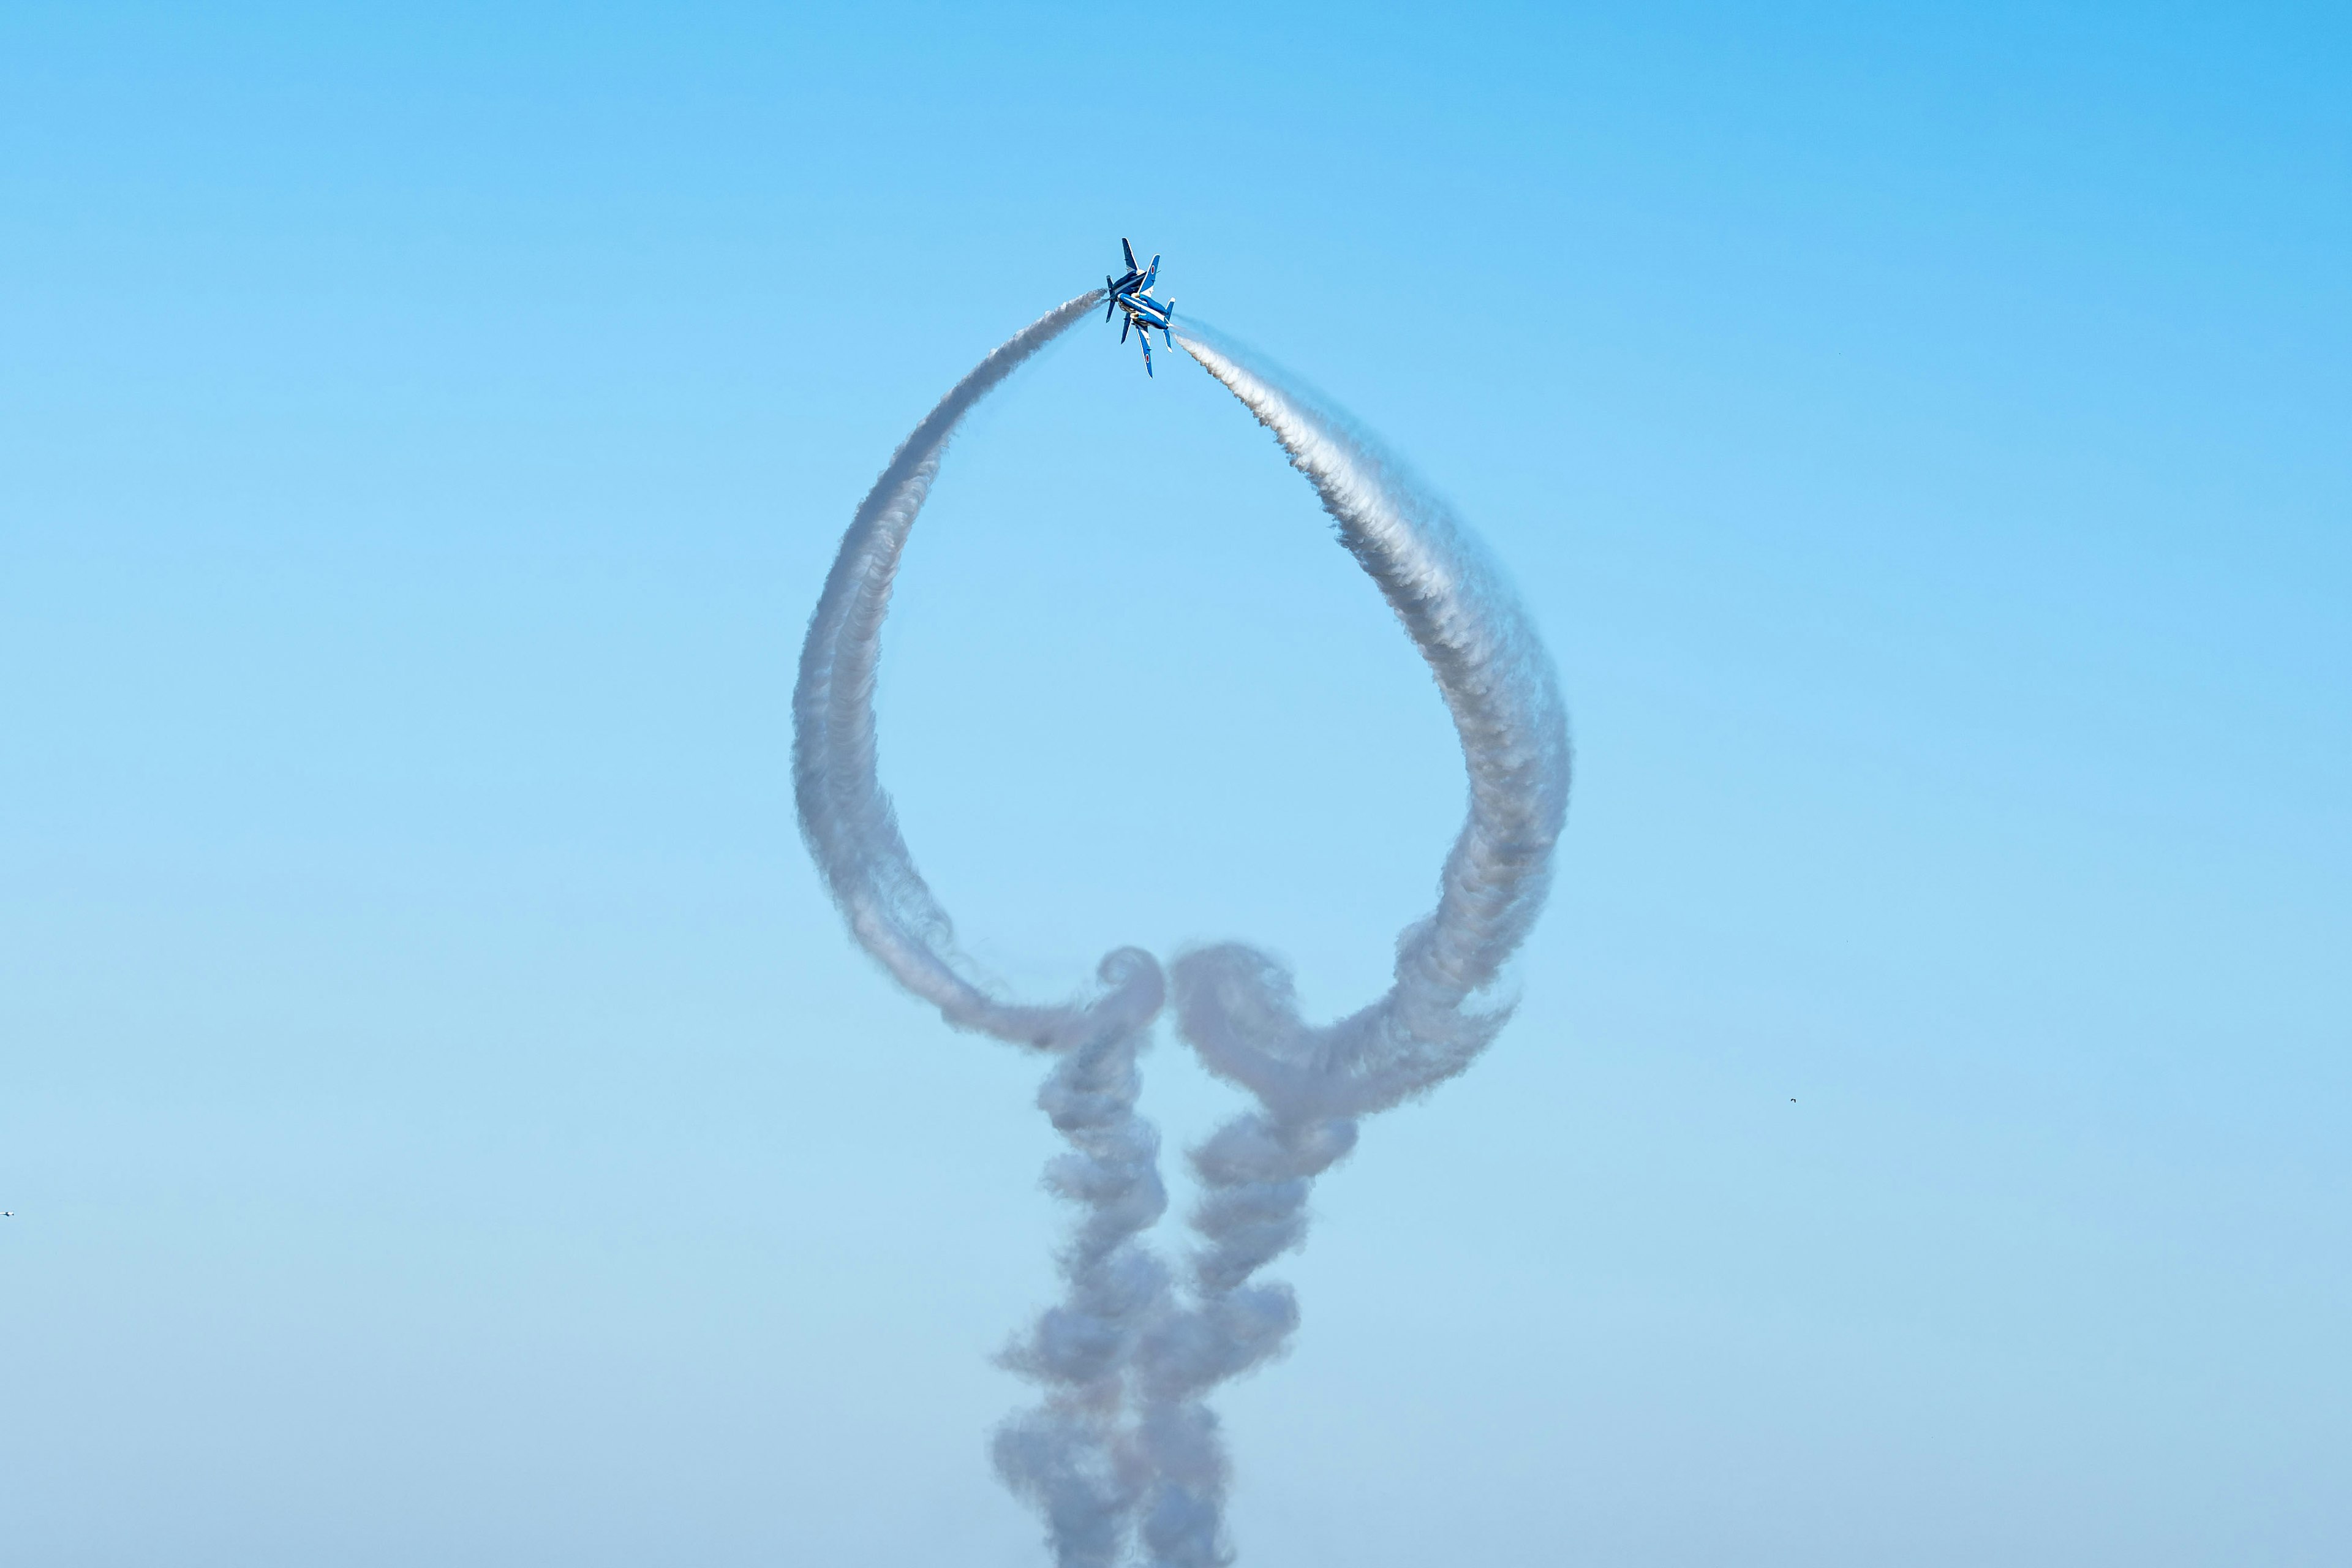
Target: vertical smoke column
1072,1457
1239,1008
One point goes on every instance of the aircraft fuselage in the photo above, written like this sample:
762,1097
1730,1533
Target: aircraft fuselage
1132,294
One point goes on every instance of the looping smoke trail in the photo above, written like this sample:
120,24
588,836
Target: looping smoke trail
846,819
1237,1005
1119,1341
1239,1008
1072,1456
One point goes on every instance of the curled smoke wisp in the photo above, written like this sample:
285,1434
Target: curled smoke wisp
1125,1365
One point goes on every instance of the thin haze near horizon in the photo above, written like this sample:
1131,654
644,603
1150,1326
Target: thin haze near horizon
444,1119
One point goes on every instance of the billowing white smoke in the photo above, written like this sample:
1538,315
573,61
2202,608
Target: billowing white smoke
1237,1006
845,817
1125,1365
1072,1456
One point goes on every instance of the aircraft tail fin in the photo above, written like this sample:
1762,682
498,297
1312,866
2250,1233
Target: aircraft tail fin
1130,251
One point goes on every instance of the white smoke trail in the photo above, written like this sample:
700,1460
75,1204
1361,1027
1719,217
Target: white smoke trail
1119,1342
1239,1009
1072,1457
1236,1005
845,817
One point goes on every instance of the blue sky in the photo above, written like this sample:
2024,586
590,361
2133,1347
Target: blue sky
446,1124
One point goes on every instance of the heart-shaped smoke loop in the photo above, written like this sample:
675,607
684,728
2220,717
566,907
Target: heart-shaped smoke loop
1124,1447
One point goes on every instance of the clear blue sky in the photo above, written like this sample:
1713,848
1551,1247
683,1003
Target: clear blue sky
446,1124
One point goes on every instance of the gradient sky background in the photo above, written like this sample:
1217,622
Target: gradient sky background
446,1124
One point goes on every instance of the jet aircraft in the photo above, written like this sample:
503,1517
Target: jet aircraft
1132,294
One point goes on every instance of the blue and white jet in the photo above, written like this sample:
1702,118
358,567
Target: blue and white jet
1132,294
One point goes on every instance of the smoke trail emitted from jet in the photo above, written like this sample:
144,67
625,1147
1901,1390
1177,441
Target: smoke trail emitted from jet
1125,1424
1072,1457
1497,682
845,817
1238,1007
